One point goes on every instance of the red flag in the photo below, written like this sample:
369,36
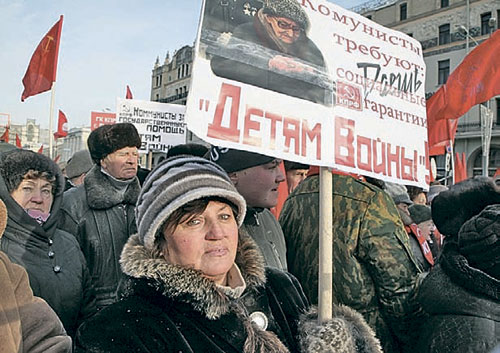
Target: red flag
282,194
439,133
62,126
129,93
41,72
18,142
464,167
5,135
58,157
474,81
458,168
497,173
40,150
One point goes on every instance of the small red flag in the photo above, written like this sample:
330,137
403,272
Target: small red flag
474,81
18,142
62,126
41,72
439,133
129,93
58,157
40,150
5,135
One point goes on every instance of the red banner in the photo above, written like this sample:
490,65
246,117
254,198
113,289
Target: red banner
18,142
129,93
41,72
5,135
99,118
62,126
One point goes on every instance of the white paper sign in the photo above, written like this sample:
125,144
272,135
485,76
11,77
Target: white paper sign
323,86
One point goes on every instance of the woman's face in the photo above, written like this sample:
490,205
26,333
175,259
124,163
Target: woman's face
205,241
34,194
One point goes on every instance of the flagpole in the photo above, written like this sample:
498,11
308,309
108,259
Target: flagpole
452,163
325,280
51,132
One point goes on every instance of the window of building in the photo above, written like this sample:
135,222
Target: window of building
497,100
403,12
369,17
160,80
485,23
445,3
157,97
176,92
157,81
187,69
444,34
443,71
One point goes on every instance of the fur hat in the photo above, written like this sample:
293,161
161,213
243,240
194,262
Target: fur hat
78,164
287,8
420,213
479,241
175,182
192,149
16,163
232,160
107,139
453,207
398,193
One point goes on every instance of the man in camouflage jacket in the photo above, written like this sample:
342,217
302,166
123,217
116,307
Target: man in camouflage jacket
374,270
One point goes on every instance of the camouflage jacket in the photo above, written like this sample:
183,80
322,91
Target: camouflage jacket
374,269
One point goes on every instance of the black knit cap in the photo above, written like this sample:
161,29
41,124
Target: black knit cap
16,163
232,160
107,139
453,207
420,213
479,241
289,165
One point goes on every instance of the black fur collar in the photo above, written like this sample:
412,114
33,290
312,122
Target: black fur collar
101,193
188,285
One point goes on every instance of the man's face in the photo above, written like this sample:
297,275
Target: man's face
294,177
121,164
259,185
426,228
285,29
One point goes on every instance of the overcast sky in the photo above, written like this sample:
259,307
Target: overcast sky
105,46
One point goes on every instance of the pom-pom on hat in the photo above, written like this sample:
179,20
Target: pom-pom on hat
175,182
79,163
232,160
107,139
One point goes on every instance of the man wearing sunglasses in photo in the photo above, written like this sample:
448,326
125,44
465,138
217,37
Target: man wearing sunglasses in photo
274,52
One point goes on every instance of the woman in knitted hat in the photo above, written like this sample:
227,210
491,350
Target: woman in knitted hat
31,186
462,293
197,284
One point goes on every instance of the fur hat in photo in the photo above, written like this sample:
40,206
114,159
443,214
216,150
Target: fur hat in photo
107,139
16,163
398,193
175,182
79,163
420,213
287,8
232,160
453,207
479,241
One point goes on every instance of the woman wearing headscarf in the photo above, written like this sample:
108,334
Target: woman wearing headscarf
198,284
31,186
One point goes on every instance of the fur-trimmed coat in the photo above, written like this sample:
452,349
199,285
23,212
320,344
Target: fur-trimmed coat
168,308
102,219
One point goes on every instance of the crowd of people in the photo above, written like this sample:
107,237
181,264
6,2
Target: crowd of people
192,259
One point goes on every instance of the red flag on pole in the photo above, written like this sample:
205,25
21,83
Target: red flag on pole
62,126
40,150
129,93
41,72
474,81
439,133
5,135
464,167
58,157
458,168
18,142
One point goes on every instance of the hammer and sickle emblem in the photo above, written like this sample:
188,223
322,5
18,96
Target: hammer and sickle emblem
49,40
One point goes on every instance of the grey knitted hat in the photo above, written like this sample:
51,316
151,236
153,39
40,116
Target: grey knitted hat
78,164
398,193
287,8
175,182
420,213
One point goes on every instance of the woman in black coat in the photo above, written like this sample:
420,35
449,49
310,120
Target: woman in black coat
197,284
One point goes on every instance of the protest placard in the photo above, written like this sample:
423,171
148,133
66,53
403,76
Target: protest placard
160,125
326,87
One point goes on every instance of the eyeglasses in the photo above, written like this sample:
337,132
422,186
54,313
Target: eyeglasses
286,25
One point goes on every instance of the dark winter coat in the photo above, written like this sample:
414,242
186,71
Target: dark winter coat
245,58
102,220
169,308
52,257
464,307
267,233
